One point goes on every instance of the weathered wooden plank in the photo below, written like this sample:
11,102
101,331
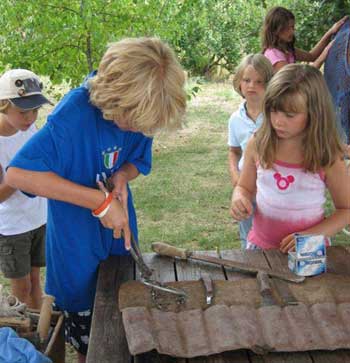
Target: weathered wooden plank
239,356
163,267
191,270
338,258
154,357
255,258
338,356
298,357
277,260
105,320
107,339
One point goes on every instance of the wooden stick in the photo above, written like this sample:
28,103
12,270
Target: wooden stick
45,317
54,334
15,322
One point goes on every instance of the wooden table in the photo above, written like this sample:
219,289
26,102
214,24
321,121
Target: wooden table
107,340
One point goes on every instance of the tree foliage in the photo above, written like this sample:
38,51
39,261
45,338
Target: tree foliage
66,38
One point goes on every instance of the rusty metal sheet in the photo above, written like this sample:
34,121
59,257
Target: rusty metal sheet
238,319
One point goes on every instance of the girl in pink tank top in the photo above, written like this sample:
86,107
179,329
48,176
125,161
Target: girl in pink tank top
290,162
278,40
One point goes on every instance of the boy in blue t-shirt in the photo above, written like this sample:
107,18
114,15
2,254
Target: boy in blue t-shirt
97,132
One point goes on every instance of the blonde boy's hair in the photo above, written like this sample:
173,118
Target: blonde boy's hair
260,63
4,104
301,88
140,80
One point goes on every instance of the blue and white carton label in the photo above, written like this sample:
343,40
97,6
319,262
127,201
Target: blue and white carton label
309,258
306,266
310,246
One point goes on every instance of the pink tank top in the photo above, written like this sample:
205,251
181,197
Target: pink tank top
288,200
275,55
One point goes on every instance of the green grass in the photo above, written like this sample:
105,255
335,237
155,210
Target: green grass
185,200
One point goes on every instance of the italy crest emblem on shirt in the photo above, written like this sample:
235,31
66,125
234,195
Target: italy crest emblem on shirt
110,157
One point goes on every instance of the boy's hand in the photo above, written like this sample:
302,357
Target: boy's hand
288,244
117,219
120,189
241,207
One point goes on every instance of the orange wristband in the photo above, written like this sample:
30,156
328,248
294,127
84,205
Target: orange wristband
104,205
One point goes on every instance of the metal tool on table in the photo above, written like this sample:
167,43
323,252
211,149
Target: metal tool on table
171,251
146,273
136,254
208,286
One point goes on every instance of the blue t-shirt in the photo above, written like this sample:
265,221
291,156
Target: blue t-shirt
337,76
240,128
78,144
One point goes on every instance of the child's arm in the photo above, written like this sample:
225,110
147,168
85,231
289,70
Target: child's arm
279,65
120,180
5,190
338,183
234,155
241,204
320,60
52,186
316,51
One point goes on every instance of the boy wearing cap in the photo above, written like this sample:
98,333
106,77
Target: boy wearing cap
22,219
98,132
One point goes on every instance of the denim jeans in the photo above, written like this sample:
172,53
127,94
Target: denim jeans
244,228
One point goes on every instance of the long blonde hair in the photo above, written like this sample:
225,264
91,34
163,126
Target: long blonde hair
293,83
260,63
141,81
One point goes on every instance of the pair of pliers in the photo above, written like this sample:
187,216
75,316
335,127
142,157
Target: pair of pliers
146,272
136,254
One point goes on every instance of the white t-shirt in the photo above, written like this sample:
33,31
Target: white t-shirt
19,213
240,128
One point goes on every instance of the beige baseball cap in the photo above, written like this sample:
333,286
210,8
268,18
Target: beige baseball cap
23,88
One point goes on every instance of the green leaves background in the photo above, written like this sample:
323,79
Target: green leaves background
65,39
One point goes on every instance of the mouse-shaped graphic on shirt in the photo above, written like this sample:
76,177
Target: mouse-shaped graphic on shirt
283,181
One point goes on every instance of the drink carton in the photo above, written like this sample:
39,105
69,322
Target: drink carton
306,266
309,257
310,245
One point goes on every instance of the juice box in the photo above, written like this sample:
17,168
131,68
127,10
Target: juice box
309,245
309,258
